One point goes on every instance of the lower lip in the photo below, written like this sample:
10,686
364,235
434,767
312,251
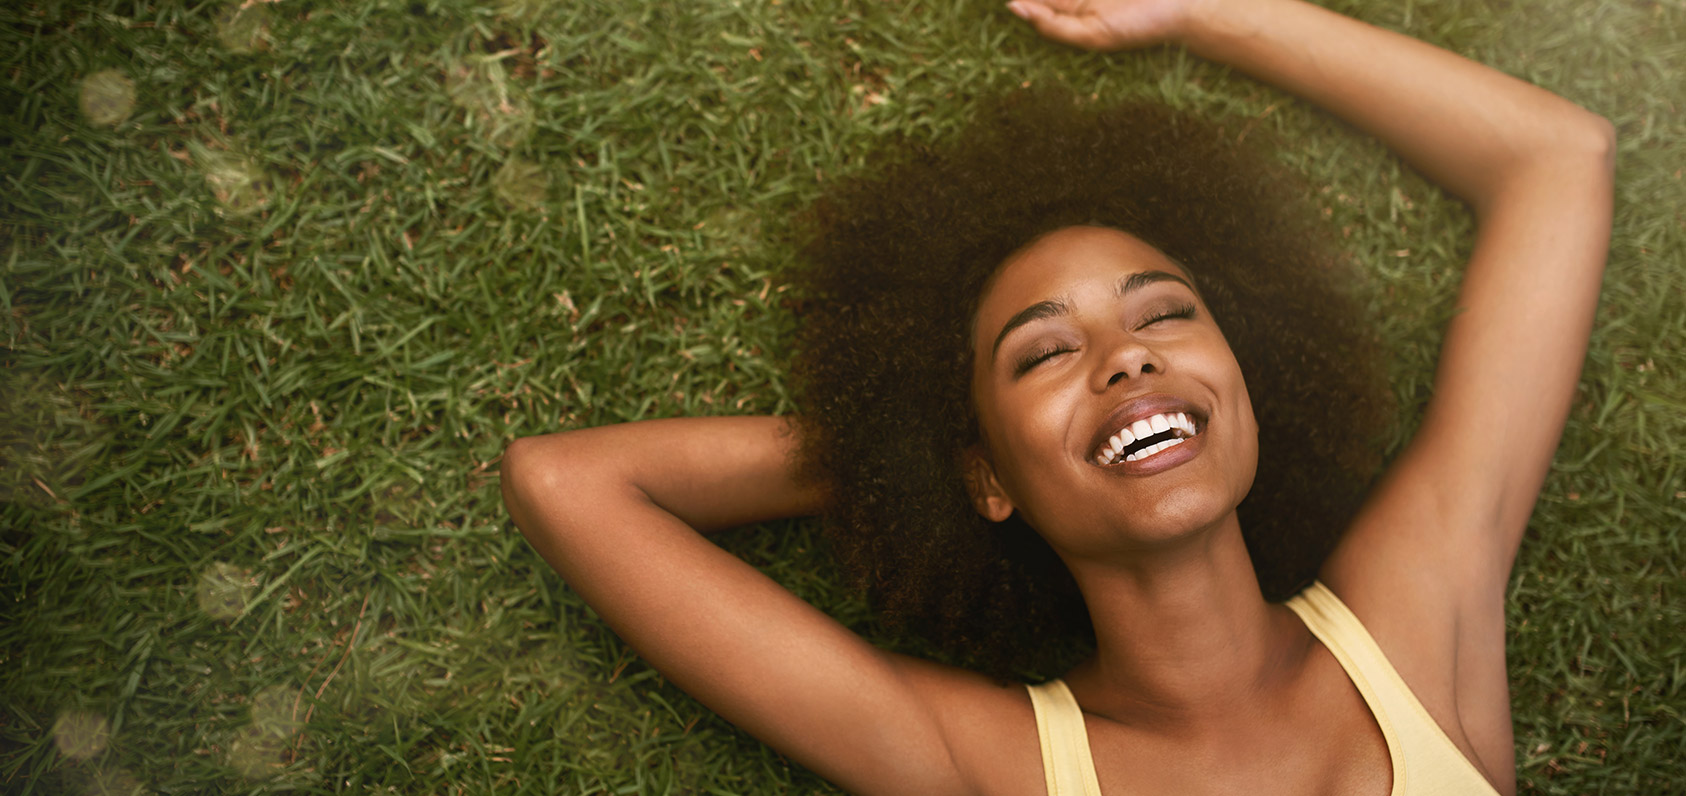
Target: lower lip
1163,460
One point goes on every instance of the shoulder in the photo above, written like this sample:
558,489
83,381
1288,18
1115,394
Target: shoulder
987,723
1450,654
1415,569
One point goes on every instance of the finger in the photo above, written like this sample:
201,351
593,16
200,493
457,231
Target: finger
1078,31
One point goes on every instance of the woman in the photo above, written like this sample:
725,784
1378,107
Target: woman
1387,675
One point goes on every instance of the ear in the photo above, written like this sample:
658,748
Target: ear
988,497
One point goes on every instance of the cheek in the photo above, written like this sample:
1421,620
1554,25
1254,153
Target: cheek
1247,434
1025,439
1038,443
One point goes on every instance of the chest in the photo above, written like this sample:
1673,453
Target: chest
1320,739
1341,753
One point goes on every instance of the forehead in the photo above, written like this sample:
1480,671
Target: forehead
1059,262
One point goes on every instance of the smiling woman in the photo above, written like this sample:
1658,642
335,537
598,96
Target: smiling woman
1091,372
898,259
1157,358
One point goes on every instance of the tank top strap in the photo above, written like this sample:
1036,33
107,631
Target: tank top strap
1067,766
1424,760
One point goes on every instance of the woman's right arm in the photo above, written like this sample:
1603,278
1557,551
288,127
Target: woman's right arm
616,510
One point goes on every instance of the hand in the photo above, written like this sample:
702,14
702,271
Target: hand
1106,25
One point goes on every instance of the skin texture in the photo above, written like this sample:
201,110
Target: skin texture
1196,684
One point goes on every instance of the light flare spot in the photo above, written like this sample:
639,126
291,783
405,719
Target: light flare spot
496,107
48,436
256,754
107,97
521,184
273,710
80,734
223,590
244,28
239,185
259,748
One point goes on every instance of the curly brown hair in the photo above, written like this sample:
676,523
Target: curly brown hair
895,258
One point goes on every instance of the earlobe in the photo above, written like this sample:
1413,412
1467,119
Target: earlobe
987,496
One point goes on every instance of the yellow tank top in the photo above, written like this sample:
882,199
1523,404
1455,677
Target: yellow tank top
1425,762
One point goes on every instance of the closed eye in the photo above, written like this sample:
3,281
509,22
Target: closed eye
1037,356
1179,312
1043,353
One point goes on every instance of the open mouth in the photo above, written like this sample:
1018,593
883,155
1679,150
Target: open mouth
1146,437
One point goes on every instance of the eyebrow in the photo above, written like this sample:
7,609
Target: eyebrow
1057,307
1141,279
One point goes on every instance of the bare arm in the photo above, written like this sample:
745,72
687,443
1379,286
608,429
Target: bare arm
1535,168
1432,552
1427,561
614,510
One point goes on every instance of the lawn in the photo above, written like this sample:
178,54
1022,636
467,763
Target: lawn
280,282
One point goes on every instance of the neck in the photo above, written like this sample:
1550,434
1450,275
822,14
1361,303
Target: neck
1184,638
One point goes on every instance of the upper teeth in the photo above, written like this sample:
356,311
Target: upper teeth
1141,429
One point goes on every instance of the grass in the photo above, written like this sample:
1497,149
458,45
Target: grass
282,283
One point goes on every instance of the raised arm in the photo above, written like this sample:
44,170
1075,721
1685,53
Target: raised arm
615,511
1427,561
1535,168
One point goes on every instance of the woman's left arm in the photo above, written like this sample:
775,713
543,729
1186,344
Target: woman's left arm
1535,168
1537,171
1426,562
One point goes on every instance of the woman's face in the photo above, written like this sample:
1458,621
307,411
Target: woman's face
1113,413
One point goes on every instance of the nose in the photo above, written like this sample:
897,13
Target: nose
1123,356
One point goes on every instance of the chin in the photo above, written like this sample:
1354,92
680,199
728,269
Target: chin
1179,519
1178,530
